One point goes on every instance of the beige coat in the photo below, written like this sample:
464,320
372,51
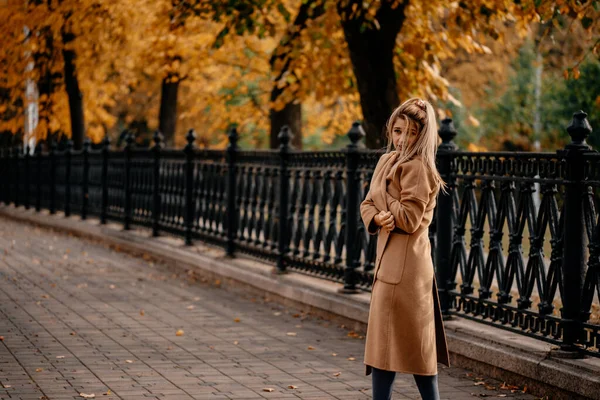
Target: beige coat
405,331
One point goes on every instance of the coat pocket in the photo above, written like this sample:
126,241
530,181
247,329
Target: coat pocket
393,259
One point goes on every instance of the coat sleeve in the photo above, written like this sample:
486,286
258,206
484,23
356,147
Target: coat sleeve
416,185
368,211
367,207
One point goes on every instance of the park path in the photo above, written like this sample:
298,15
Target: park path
79,320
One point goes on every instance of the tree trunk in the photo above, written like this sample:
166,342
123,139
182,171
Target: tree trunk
74,94
372,55
291,114
167,117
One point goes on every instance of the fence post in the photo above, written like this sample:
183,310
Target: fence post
285,136
17,174
157,138
68,154
127,183
444,211
52,155
574,233
232,212
86,178
104,179
38,181
27,179
355,134
189,185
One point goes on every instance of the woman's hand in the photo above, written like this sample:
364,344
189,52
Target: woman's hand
385,220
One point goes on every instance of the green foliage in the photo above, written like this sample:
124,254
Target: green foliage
507,122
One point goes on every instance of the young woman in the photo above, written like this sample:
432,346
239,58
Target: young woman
405,332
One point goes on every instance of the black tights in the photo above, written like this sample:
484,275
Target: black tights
384,380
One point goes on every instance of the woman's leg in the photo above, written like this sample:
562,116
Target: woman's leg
428,386
382,384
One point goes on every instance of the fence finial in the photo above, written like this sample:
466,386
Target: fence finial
447,132
157,138
356,133
87,143
70,145
190,138
285,136
106,141
579,128
233,137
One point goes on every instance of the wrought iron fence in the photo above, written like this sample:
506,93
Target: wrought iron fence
515,239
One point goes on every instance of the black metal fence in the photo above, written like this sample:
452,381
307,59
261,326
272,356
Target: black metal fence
515,240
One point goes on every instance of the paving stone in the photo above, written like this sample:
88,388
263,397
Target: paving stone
78,317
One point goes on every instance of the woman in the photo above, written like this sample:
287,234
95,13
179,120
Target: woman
405,332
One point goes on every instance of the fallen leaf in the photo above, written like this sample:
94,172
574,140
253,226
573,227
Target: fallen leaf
337,374
334,354
1,338
38,370
7,386
292,387
351,359
45,296
298,326
310,348
268,390
179,333
196,298
60,357
291,333
129,361
236,320
191,307
142,313
108,393
87,396
72,333
479,383
296,315
277,314
112,286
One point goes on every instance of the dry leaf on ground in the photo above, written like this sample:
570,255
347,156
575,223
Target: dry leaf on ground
292,387
268,390
87,396
310,348
129,361
236,320
191,307
337,374
179,332
142,313
291,333
479,383
38,370
60,357
351,359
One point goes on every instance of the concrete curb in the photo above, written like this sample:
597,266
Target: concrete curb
484,349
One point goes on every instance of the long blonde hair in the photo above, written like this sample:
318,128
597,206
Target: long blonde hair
419,115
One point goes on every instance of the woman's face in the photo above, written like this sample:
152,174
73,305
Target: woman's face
399,131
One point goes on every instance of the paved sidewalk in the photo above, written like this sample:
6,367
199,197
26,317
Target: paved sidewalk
78,319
